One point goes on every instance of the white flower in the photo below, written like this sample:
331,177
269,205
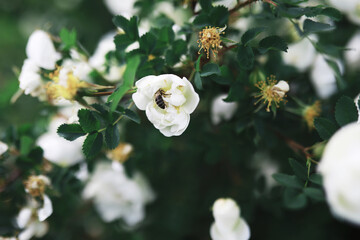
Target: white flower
340,168
323,77
40,49
28,221
221,110
3,148
121,7
350,7
265,167
300,55
281,88
98,59
228,224
59,150
30,79
168,101
117,196
352,55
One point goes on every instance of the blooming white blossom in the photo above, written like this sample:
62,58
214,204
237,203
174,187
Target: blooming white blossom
221,110
281,88
3,148
300,55
228,224
59,150
168,101
98,59
323,77
352,55
40,53
350,7
116,196
40,49
28,220
340,168
121,7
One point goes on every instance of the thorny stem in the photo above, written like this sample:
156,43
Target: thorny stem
296,147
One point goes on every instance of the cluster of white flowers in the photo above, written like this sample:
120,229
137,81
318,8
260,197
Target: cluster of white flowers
340,168
117,196
228,224
302,55
41,53
168,101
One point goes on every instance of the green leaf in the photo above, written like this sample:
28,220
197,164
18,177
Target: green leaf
299,169
131,115
70,131
210,69
315,193
332,13
129,26
294,199
339,79
92,144
345,111
88,122
316,178
205,5
313,27
324,127
197,80
272,43
250,34
197,64
68,38
112,136
26,144
122,41
129,77
288,180
245,56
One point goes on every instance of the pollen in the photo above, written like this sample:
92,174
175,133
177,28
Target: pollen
55,90
271,92
209,38
310,113
35,185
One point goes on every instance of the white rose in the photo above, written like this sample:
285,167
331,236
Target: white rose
350,7
352,56
121,7
41,50
31,225
98,59
323,77
176,99
340,168
300,55
59,150
228,224
30,79
117,196
3,148
221,110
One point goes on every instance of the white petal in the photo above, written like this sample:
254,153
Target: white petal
46,210
29,78
24,217
41,50
3,148
192,98
226,213
221,110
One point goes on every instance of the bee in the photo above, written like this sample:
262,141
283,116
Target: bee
159,98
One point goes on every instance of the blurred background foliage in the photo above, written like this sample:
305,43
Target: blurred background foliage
187,173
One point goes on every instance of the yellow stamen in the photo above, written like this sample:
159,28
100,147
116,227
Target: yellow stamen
310,113
268,93
209,38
